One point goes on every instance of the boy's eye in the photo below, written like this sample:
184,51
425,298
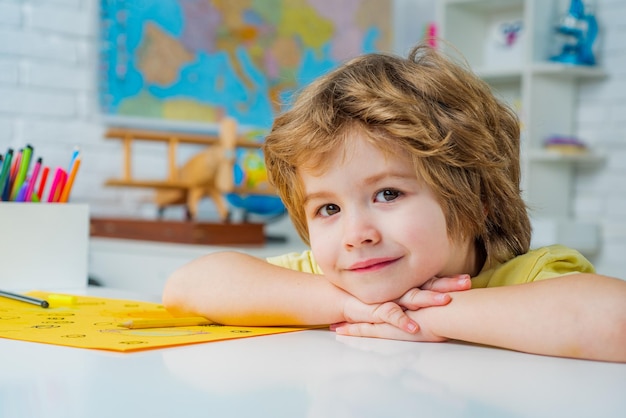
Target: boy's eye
328,210
387,195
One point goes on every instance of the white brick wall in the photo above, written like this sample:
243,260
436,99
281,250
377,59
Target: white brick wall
48,85
601,191
48,96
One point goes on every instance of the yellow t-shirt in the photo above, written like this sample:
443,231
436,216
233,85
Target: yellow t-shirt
303,262
542,263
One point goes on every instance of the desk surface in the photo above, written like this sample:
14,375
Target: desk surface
304,374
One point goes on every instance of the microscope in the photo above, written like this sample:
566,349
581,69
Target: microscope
576,34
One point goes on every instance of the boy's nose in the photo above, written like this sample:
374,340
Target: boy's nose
359,230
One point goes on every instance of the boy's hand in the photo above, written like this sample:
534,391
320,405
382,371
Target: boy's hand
387,330
361,317
391,313
432,293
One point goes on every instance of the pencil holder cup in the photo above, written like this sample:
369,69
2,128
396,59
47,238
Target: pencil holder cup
43,245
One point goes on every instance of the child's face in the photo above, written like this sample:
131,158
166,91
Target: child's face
376,230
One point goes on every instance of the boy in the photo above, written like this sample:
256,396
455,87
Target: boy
403,177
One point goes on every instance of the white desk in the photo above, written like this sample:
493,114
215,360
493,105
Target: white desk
304,374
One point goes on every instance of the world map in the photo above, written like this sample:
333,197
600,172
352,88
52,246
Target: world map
201,60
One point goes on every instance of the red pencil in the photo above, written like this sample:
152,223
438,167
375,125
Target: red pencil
42,183
16,164
60,186
55,184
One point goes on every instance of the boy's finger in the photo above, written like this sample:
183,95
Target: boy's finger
416,299
382,331
391,313
386,331
449,284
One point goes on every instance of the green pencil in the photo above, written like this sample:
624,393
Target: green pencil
27,153
6,167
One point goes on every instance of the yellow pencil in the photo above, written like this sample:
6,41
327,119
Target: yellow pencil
165,322
70,181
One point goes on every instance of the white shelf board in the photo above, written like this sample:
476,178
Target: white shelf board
484,6
564,70
541,155
540,68
500,75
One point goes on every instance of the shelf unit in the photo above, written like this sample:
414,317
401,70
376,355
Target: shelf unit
543,92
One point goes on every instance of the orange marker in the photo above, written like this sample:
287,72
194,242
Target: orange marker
70,181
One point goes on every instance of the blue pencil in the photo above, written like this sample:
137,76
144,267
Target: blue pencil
74,156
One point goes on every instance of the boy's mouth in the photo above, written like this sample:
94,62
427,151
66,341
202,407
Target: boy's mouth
372,264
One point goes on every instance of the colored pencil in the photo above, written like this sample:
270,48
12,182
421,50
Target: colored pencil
55,184
21,195
32,181
42,183
74,156
6,195
22,170
60,186
6,169
16,163
165,323
70,181
24,298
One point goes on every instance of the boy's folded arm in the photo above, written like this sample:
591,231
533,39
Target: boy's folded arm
577,315
238,289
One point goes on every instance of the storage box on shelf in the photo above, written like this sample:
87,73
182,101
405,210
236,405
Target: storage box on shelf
543,92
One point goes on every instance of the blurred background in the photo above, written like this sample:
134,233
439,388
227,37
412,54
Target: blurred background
60,61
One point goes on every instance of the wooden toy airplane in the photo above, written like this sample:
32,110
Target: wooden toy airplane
207,174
